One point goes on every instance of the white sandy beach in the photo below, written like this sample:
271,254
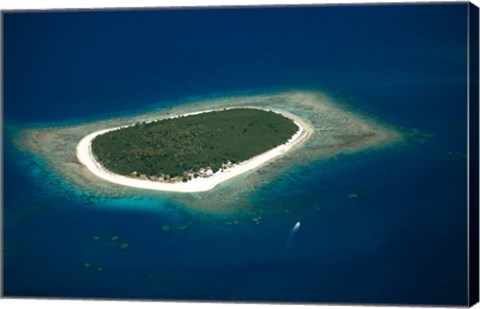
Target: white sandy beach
86,157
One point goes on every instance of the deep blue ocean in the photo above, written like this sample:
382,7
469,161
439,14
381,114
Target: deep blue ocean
403,241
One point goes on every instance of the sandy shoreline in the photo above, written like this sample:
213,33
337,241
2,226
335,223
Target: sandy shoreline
86,157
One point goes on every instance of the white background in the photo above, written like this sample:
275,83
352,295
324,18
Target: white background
77,304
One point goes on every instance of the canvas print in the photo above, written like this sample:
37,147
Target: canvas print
297,154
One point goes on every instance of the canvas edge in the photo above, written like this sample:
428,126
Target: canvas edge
473,162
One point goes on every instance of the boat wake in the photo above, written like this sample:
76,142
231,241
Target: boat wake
289,241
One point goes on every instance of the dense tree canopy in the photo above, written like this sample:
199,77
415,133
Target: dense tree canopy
184,145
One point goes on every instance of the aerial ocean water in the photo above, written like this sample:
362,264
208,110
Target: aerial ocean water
378,226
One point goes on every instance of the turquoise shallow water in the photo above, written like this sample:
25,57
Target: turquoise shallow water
403,240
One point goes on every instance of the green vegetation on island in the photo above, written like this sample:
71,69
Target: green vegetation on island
191,146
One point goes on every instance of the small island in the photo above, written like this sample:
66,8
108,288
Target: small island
220,148
192,152
187,147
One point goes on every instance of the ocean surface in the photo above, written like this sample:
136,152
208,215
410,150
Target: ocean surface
402,241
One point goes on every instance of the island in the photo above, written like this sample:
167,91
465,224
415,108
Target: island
312,127
193,152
